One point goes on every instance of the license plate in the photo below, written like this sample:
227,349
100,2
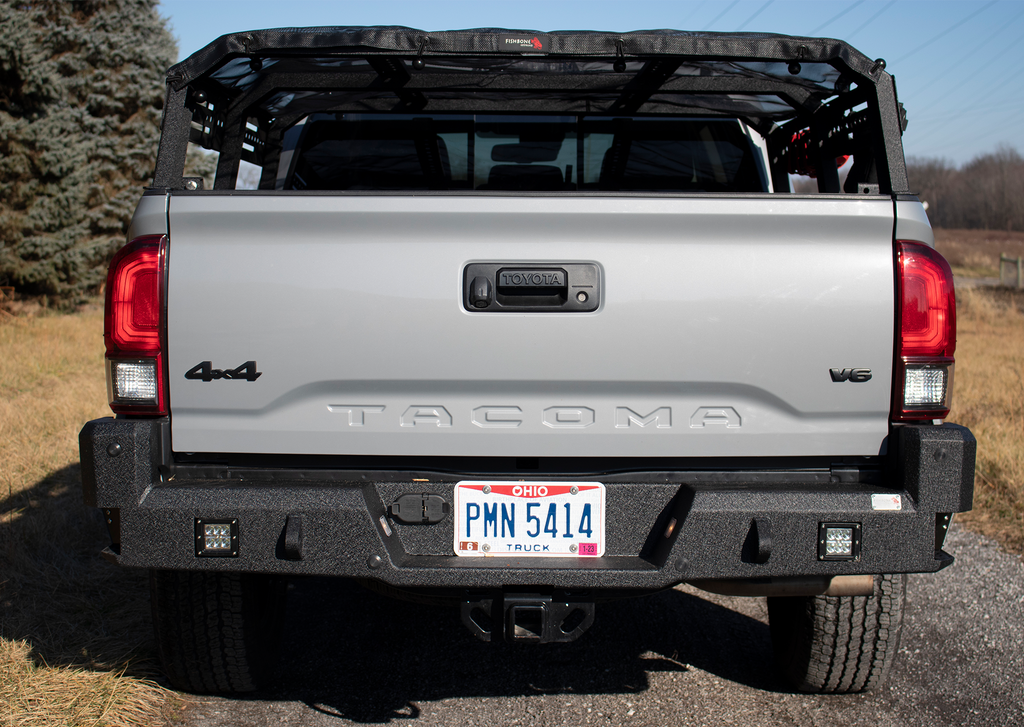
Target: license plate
536,519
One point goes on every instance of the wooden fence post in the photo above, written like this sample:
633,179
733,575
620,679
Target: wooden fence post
1005,259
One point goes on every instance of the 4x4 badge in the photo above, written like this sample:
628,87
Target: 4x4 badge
204,371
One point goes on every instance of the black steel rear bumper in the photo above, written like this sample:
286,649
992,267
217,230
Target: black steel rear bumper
665,527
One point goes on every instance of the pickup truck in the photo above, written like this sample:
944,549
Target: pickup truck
524,321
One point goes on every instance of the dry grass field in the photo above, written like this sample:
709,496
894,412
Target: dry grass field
988,397
75,644
975,253
988,392
74,634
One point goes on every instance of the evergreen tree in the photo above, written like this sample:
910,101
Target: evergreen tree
81,93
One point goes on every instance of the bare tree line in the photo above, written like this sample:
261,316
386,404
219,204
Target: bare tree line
985,193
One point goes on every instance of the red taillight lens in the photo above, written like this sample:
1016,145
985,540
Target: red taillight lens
926,339
133,327
927,302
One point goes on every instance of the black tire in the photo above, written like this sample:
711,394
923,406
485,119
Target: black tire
217,632
839,644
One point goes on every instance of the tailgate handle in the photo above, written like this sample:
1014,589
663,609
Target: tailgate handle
532,288
502,287
533,282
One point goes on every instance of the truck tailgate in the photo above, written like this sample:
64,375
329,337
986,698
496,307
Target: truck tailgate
719,322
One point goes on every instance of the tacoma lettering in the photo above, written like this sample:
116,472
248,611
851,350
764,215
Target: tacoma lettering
661,418
555,417
356,414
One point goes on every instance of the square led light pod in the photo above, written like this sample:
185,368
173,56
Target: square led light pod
839,541
216,538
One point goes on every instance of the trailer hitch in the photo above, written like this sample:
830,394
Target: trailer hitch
527,617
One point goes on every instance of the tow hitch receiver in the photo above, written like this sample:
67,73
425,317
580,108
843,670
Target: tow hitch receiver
527,617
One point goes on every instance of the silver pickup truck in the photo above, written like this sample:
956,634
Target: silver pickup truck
522,322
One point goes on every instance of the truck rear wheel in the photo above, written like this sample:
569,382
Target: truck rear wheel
839,644
217,632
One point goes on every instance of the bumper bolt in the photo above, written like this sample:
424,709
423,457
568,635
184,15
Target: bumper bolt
374,561
113,449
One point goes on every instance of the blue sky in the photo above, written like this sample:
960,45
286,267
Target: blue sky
959,64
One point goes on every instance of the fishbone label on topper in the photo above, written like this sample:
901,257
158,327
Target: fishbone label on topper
537,43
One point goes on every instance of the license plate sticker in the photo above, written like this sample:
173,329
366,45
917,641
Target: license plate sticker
531,519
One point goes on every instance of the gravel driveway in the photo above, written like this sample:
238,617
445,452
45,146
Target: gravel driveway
681,657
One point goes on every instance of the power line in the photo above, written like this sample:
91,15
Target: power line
835,18
692,13
872,19
960,130
918,121
720,15
961,139
948,30
976,137
962,60
756,13
1001,83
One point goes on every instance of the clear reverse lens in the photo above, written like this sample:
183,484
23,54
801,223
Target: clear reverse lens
924,387
134,381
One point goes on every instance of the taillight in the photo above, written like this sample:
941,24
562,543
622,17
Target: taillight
926,336
133,327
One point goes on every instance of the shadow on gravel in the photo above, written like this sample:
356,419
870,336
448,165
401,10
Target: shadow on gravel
368,658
